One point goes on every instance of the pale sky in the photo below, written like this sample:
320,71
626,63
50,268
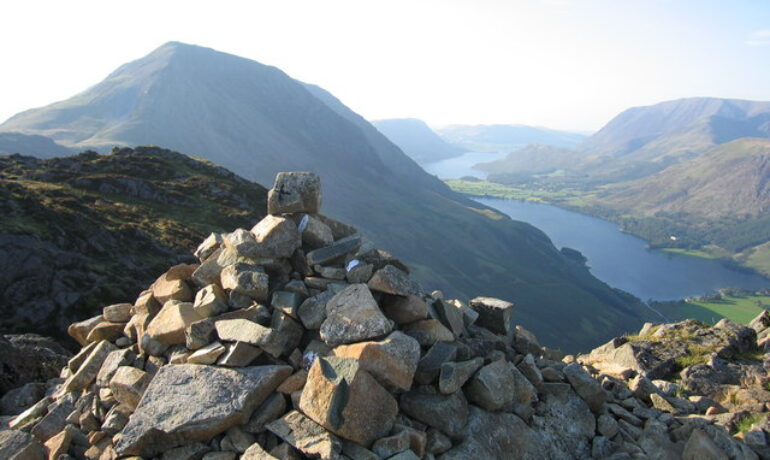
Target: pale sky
563,64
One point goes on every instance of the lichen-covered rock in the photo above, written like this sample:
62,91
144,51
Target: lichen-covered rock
392,361
353,315
186,403
295,192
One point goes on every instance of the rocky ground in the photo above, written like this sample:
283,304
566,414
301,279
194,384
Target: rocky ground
298,339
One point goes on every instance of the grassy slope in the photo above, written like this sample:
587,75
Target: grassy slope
741,309
123,217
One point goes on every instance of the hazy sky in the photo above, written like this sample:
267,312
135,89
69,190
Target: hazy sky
567,64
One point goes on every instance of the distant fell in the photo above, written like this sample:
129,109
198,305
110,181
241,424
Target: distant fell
417,140
35,145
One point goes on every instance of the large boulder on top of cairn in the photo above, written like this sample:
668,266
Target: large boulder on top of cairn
299,339
295,192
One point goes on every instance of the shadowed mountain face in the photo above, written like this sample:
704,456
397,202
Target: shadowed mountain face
500,138
417,140
256,121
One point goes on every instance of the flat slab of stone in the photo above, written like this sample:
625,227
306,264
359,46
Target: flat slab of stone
169,324
391,280
337,251
185,403
392,361
306,436
18,445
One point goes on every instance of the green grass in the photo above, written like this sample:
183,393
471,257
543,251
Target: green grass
691,253
740,309
746,422
563,197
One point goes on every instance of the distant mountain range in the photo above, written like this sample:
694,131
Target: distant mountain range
417,140
533,159
255,120
506,138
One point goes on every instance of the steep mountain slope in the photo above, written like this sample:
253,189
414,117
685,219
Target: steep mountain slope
680,127
730,180
89,230
417,140
506,137
38,146
532,159
257,121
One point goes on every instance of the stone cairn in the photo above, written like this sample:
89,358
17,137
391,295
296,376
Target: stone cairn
298,339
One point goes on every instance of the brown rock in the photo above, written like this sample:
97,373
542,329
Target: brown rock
169,324
118,313
105,331
429,331
87,372
128,385
277,237
294,383
391,280
352,315
295,192
405,310
346,400
306,436
172,285
80,330
250,280
392,361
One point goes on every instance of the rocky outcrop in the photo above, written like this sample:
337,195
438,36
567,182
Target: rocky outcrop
334,361
27,358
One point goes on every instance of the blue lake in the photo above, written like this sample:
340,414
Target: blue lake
624,261
455,168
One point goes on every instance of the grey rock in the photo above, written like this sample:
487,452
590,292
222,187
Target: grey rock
352,315
360,273
117,313
315,233
429,367
585,386
194,451
288,302
389,446
276,237
29,358
335,252
405,310
15,401
239,354
112,362
295,192
18,445
199,334
210,301
306,436
530,370
607,426
493,386
88,371
450,316
187,403
237,440
494,314
56,418
312,312
246,279
391,280
273,408
453,375
448,413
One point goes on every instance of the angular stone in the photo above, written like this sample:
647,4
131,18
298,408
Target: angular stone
336,252
306,436
281,338
295,192
429,367
187,403
391,280
389,446
87,371
312,312
357,452
18,445
493,386
585,386
56,418
116,419
346,400
359,273
352,315
199,334
246,279
294,383
761,321
239,354
59,444
607,425
276,237
494,314
448,413
207,355
30,415
237,440
209,270
188,452
334,273
17,400
242,330
315,233
172,285
287,302
208,246
240,241
118,313
79,331
168,326
453,375
210,301
405,310
392,361
273,408
114,359
700,447
429,331
256,452
128,385
450,316
530,370
105,331
417,438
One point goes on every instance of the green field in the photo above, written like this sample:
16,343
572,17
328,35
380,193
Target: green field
741,309
563,197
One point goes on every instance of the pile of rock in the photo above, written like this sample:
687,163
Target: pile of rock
299,339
